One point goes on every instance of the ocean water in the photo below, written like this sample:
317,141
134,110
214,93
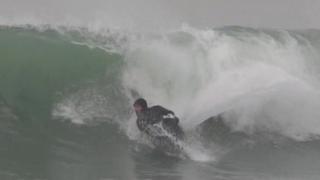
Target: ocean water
66,94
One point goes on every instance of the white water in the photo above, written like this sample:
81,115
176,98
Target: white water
263,82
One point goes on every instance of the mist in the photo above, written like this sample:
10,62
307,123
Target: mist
165,14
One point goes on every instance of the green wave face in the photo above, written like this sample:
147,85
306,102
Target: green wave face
35,66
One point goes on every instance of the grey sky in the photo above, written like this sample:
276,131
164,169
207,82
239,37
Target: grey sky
288,14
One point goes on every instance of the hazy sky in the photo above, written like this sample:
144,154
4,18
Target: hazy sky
289,14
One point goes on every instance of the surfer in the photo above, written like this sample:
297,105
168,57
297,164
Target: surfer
149,117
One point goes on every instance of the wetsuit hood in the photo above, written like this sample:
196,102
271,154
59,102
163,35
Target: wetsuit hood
141,102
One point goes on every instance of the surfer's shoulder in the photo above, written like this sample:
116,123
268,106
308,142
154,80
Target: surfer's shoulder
160,109
156,107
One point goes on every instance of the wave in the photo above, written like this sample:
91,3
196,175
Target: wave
263,80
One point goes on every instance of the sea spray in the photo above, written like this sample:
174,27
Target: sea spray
213,72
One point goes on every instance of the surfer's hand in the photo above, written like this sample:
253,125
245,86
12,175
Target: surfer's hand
169,116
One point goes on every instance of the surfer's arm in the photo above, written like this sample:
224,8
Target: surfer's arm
162,110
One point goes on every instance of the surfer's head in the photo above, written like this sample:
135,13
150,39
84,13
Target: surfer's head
140,105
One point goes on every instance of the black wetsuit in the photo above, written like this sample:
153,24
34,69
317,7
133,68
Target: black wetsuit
157,114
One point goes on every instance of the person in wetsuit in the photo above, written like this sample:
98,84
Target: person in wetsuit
149,116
